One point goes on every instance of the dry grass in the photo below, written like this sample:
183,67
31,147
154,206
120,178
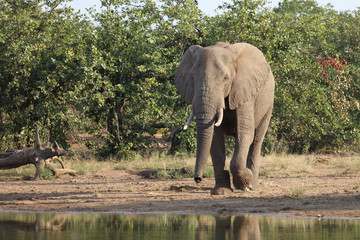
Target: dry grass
156,160
297,191
28,170
271,165
81,164
306,164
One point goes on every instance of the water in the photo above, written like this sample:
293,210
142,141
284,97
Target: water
55,226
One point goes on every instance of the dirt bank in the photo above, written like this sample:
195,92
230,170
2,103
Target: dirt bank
323,191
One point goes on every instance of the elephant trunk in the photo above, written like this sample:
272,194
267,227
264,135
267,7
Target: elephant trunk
220,116
205,132
208,108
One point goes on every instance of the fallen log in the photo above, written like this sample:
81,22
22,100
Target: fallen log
39,156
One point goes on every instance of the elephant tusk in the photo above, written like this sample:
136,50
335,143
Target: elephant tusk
220,118
191,117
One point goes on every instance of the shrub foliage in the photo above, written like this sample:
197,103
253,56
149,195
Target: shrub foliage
110,74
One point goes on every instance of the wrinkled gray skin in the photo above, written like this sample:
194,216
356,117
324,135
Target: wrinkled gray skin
230,85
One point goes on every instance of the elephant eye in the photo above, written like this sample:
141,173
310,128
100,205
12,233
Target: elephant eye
226,78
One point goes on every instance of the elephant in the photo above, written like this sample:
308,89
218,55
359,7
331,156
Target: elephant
231,91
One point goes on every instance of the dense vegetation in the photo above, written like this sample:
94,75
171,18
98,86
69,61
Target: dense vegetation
110,74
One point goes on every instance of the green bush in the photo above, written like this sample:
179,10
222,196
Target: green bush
111,74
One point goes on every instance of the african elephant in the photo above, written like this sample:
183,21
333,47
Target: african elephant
231,90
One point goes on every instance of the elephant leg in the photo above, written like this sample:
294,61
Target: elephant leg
252,164
242,175
222,176
255,148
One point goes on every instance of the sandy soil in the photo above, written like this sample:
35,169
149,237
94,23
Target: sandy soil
324,192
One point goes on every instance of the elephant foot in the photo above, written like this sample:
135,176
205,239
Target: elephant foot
221,191
254,184
242,179
222,183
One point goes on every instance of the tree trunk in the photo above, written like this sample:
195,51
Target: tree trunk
115,124
38,156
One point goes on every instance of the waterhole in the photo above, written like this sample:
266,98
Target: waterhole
28,226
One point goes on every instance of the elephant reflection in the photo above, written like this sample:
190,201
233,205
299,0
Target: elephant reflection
241,227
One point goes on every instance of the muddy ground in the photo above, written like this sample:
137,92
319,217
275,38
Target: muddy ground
324,191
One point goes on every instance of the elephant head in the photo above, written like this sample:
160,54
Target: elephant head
207,76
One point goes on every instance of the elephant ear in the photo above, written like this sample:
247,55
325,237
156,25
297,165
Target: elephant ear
183,79
252,73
